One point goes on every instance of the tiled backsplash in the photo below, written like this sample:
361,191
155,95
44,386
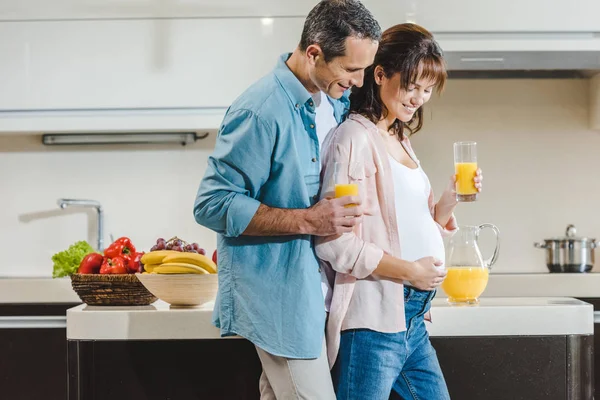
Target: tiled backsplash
538,156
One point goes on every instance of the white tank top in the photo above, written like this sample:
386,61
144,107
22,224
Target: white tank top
419,234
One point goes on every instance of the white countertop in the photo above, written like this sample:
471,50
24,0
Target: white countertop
514,316
543,285
492,317
48,290
37,290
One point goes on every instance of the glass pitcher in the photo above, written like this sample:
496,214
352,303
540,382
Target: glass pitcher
468,272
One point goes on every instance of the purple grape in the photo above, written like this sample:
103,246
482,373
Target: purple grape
201,251
159,240
195,246
160,246
188,247
177,242
177,248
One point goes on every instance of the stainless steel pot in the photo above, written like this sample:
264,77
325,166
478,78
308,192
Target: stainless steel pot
569,253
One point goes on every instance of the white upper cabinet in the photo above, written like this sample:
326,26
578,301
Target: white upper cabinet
201,54
106,64
111,9
436,15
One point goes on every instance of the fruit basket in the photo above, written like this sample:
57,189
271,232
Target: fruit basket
111,290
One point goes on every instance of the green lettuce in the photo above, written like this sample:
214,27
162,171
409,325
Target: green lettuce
67,261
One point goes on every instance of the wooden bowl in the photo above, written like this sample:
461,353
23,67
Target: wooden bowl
111,290
182,290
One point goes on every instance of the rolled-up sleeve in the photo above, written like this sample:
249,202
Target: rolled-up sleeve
239,166
349,254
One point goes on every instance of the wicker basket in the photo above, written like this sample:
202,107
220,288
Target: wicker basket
111,290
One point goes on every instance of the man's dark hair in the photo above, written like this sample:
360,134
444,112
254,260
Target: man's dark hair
330,22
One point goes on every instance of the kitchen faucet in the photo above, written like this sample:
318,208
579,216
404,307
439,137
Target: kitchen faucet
64,203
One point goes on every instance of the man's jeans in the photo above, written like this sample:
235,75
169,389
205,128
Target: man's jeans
370,364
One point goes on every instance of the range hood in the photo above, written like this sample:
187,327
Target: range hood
527,55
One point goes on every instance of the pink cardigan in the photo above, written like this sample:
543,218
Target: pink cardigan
362,300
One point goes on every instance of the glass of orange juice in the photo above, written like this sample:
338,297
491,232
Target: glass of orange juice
343,186
465,166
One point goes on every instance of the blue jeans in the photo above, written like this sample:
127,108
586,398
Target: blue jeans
371,364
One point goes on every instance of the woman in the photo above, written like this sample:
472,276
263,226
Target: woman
386,271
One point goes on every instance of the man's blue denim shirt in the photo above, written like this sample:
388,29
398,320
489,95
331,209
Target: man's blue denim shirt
267,152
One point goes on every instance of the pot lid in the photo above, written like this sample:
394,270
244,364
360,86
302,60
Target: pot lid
570,234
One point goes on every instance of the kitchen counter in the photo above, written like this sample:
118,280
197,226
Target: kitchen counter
37,290
48,290
474,344
492,317
544,285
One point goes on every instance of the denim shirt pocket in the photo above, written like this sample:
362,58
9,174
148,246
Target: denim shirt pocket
312,183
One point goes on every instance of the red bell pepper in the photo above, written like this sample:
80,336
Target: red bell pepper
115,265
91,264
120,248
133,262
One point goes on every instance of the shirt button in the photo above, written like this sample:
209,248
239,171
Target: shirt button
313,159
312,126
297,105
310,104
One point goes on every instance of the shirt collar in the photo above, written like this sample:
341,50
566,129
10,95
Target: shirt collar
293,88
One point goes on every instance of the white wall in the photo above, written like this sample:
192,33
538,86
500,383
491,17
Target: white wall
538,155
146,193
540,160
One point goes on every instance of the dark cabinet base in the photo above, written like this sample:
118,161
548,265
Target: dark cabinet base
518,368
33,364
160,370
33,360
476,368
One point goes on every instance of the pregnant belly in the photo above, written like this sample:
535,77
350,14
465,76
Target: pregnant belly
421,239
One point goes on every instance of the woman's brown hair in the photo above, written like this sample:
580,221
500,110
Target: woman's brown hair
410,50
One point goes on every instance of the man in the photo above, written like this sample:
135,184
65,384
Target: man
260,194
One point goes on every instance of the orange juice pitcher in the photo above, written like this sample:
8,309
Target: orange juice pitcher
468,272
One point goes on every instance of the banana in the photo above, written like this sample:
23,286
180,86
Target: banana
192,258
178,268
150,267
156,257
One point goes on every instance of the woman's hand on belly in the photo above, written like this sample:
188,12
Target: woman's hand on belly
425,275
422,273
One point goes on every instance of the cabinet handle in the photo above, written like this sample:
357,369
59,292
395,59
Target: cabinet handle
597,317
33,322
482,59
